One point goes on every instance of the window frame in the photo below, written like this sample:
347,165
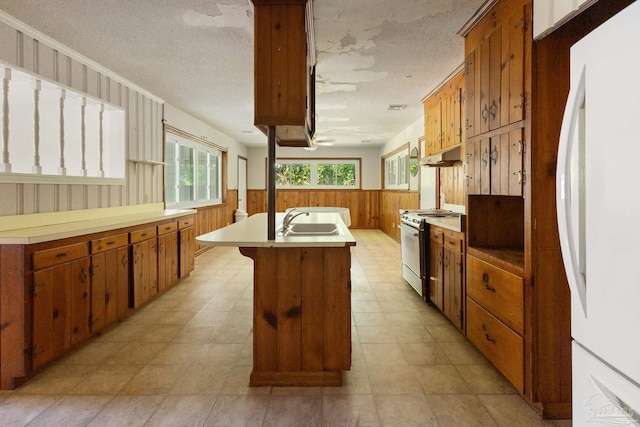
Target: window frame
105,130
197,146
394,159
314,162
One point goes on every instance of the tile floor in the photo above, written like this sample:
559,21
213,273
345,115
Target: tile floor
185,359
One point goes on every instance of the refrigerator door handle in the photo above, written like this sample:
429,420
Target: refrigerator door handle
566,210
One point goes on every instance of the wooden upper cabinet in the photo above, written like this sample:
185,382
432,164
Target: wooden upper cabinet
282,70
443,115
494,72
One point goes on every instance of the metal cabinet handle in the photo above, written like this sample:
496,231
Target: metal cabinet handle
63,254
494,109
494,155
485,158
485,280
485,113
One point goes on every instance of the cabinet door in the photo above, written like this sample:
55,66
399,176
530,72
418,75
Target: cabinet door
43,317
153,267
485,84
499,164
174,249
516,170
485,166
187,250
453,276
98,292
436,274
163,279
51,318
432,125
471,100
495,77
519,25
123,290
140,277
116,273
80,304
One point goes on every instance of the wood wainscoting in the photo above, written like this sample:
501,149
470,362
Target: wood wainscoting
363,204
451,188
369,208
213,217
391,201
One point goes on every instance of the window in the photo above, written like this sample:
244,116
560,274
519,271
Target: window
193,173
396,169
318,173
54,134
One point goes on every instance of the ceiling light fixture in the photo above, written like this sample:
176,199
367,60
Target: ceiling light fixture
396,107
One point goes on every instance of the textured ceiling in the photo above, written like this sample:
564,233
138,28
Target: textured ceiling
198,56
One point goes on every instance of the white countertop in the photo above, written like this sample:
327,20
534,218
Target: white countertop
252,232
450,223
46,233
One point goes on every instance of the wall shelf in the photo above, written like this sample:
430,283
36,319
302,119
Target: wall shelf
147,162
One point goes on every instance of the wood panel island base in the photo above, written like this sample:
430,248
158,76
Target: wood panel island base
302,301
301,316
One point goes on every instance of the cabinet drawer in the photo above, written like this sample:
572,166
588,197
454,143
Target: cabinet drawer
107,243
167,228
436,235
140,235
59,255
186,222
498,291
503,347
453,243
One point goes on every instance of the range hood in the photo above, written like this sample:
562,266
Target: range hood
443,158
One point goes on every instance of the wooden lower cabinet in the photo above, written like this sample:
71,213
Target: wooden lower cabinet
109,281
168,256
51,314
500,344
436,271
61,308
187,244
57,294
144,274
495,317
446,273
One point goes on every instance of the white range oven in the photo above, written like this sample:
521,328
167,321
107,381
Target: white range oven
414,243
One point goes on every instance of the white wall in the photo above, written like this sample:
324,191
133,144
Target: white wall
411,135
181,120
550,14
256,163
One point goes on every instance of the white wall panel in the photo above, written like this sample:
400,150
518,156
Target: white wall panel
27,196
9,196
45,61
8,36
93,197
92,83
46,198
78,193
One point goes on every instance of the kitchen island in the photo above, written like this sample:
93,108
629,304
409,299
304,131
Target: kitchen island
302,301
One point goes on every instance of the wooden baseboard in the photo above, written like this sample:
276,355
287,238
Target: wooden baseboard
296,379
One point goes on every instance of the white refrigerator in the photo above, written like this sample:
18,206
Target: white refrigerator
598,201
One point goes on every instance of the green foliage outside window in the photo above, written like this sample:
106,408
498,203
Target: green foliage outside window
337,174
293,174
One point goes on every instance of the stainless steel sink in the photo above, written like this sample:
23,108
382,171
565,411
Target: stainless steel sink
313,229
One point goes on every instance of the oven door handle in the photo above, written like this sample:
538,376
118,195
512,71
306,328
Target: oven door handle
409,229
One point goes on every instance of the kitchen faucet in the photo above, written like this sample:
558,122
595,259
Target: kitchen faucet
290,217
